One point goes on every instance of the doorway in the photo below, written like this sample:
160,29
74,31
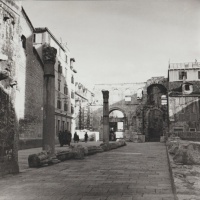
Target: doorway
155,125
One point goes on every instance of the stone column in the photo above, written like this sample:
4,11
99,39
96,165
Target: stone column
106,128
49,59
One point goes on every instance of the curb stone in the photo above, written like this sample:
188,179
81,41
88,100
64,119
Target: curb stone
171,175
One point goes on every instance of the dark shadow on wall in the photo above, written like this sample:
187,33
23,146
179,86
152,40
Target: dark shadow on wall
185,123
31,125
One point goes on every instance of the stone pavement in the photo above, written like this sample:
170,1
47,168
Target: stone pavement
138,171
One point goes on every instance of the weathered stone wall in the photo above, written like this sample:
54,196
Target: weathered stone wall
9,53
117,93
137,111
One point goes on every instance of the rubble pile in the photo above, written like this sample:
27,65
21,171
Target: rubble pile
73,152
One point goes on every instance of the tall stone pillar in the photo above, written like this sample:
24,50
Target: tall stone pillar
106,128
49,59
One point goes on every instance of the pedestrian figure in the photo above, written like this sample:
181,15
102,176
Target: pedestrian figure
60,138
86,137
111,134
76,137
69,137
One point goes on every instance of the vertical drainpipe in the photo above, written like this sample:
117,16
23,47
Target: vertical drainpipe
49,59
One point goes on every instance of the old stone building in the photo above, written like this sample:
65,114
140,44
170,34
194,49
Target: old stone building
138,111
184,94
64,80
83,111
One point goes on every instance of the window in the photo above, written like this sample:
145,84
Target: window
192,129
182,74
59,104
198,74
65,107
59,68
72,110
187,87
127,95
63,125
72,79
34,38
65,90
127,98
59,85
23,39
163,100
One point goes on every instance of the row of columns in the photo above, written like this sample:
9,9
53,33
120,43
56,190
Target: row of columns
49,59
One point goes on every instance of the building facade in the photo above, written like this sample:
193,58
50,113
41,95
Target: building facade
64,80
84,101
184,94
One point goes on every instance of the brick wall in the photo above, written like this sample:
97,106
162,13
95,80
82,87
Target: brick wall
30,84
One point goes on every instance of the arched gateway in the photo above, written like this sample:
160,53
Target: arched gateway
117,122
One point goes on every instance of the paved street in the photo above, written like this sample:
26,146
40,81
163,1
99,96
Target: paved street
138,171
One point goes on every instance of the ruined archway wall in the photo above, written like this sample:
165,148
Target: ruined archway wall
117,102
162,83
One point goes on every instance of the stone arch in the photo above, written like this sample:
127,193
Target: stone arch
117,108
153,124
161,86
118,124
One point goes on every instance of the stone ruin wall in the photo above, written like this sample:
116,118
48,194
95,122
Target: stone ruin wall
9,53
136,111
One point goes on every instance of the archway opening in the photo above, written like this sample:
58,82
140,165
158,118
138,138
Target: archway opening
117,124
155,125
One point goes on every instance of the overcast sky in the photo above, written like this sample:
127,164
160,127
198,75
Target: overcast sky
122,41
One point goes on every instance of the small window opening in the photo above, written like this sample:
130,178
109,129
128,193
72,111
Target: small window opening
23,39
187,87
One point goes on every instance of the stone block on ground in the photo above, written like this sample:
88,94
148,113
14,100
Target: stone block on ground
78,151
121,143
172,146
37,160
94,149
113,145
188,154
85,151
64,155
105,146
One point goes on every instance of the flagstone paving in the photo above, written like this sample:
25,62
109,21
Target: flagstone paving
138,171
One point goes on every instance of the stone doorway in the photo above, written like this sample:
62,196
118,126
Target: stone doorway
117,123
155,125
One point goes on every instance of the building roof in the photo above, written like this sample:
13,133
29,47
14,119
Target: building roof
28,20
184,66
44,29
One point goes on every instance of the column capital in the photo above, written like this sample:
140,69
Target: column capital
49,54
105,95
